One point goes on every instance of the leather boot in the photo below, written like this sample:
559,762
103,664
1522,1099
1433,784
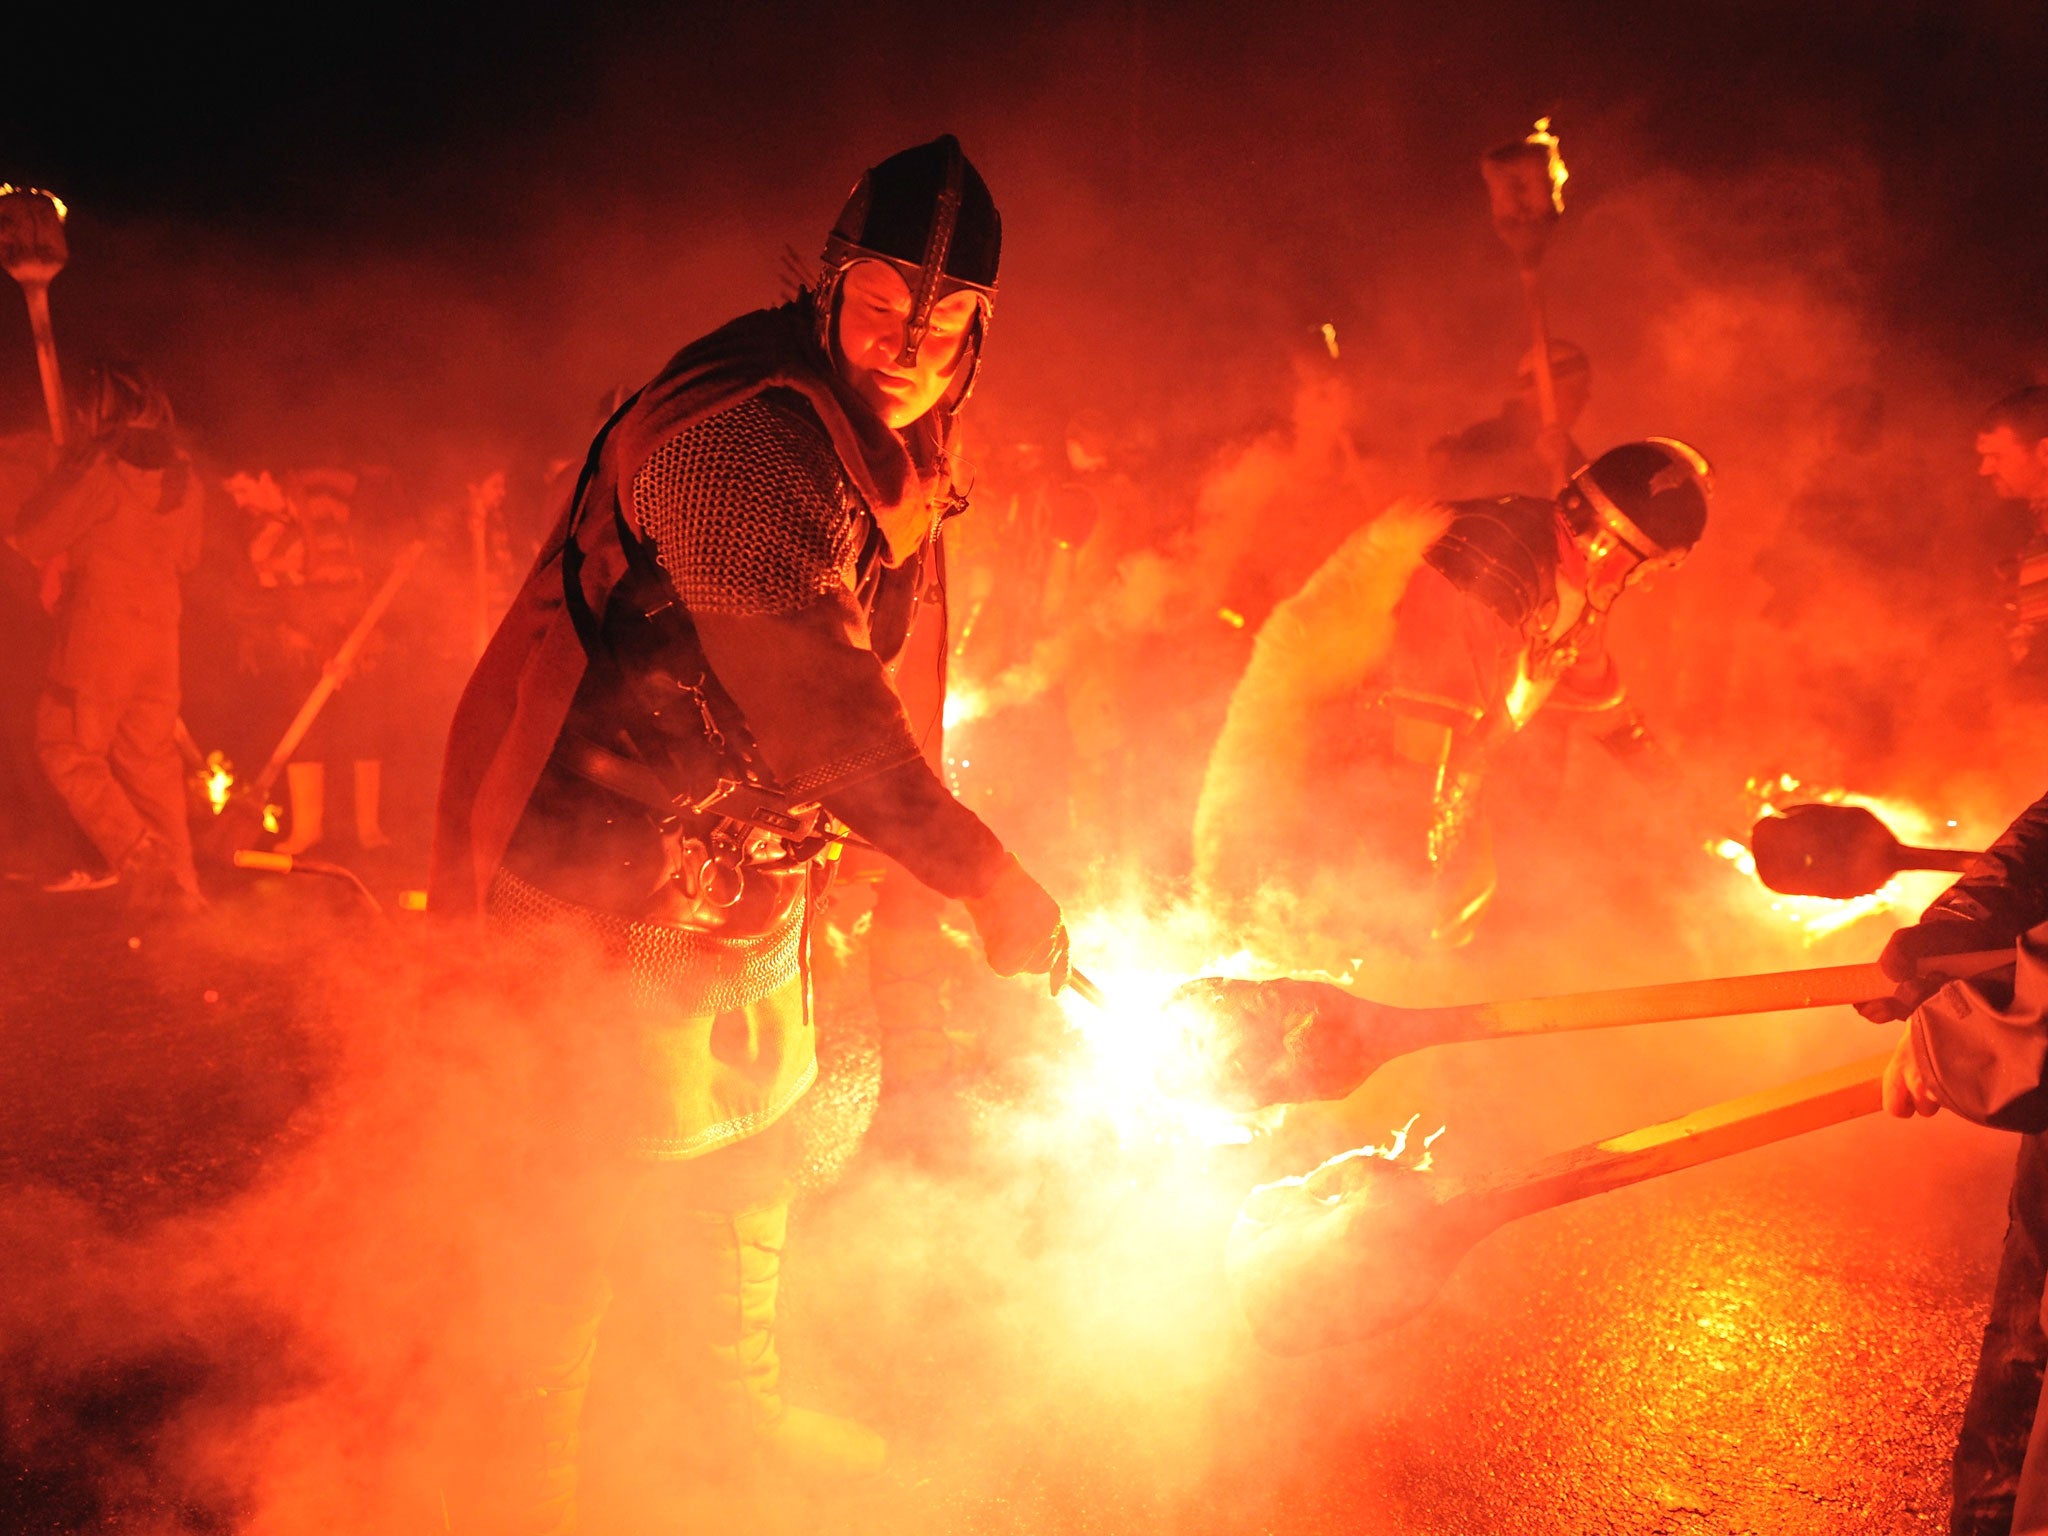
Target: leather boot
741,1254
523,1483
308,785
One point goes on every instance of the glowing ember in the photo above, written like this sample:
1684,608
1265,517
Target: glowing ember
1231,617
220,778
1330,338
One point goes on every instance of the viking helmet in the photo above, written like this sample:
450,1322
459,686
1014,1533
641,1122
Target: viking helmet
927,213
1650,496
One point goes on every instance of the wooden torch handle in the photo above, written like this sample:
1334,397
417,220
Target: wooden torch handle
1720,1130
38,296
1718,997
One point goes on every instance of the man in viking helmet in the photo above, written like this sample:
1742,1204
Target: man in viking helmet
1378,696
690,706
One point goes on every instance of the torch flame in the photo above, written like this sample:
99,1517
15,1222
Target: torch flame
1543,138
1394,1149
8,189
220,778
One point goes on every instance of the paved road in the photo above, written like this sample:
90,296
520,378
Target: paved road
1774,1344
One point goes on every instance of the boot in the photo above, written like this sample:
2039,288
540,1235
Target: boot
734,1336
369,793
308,785
523,1482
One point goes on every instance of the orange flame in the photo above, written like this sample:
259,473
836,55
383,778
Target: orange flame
1542,137
220,778
8,189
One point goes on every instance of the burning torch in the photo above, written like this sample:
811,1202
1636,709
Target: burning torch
32,249
1525,182
1288,1041
1361,1245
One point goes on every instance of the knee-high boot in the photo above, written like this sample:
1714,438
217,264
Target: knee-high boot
727,1320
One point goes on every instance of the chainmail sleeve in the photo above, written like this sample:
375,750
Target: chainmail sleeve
752,520
749,511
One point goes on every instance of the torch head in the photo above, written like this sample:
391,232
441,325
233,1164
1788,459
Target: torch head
1252,1044
1525,185
1837,851
1350,1251
32,246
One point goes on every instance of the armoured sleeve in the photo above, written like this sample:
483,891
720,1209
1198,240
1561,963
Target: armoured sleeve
2005,890
752,521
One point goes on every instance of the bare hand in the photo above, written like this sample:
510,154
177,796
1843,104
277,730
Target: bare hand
1906,1092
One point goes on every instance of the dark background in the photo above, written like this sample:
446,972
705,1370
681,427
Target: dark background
478,219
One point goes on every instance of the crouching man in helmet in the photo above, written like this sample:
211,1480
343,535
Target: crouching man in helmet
1378,695
691,702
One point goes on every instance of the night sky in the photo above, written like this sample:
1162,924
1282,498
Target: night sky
502,156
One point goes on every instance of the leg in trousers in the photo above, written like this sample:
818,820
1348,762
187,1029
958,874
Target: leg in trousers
145,757
1999,1416
74,738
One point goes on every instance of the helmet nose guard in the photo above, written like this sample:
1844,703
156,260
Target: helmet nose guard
1649,495
927,213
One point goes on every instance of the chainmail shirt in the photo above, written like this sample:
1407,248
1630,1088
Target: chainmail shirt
749,511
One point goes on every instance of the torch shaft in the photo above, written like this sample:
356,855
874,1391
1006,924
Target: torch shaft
1717,997
1546,381
336,672
38,296
1705,1135
1954,859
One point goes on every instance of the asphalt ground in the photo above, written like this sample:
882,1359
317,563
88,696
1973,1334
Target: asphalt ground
1776,1343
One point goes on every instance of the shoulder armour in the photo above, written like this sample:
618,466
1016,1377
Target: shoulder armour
1502,553
750,511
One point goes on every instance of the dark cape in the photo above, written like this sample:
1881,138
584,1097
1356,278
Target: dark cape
516,702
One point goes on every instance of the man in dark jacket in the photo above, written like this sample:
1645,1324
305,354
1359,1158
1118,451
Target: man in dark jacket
691,702
1980,1048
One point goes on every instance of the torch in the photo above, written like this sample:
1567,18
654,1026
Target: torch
1362,1245
32,249
1525,183
1288,1041
1837,851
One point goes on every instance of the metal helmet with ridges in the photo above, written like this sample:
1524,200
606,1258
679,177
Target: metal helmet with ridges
1651,495
927,213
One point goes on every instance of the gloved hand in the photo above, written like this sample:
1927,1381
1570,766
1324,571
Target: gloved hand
1020,927
1901,959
